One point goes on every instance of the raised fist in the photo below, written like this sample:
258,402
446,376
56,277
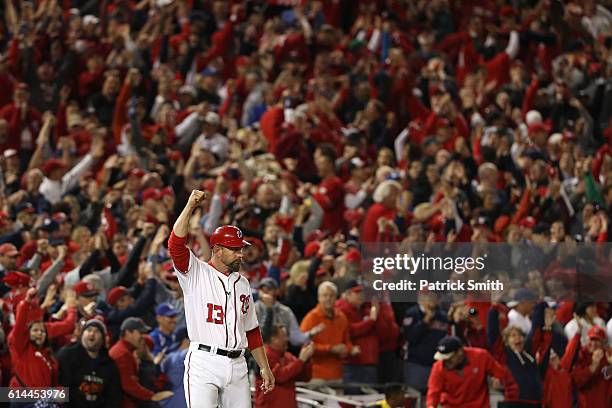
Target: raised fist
196,198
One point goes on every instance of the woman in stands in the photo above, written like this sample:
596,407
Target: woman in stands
522,352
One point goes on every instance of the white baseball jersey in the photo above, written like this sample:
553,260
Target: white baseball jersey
218,308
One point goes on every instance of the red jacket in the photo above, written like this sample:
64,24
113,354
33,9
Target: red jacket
122,353
594,390
18,127
369,227
468,389
362,332
7,84
330,196
271,122
558,384
35,367
287,369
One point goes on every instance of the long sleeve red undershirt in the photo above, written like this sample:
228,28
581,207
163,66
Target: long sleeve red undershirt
179,252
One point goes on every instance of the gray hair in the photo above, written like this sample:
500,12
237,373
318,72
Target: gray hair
327,285
383,190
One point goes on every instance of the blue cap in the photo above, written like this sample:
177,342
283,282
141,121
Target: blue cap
209,72
166,309
522,295
447,347
49,225
289,18
25,206
269,283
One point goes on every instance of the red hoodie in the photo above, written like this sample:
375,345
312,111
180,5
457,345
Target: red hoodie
34,366
287,369
558,384
594,390
362,331
22,131
330,196
369,227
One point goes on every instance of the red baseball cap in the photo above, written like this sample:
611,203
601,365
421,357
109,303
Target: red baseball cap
136,172
86,289
17,279
597,333
536,128
8,250
255,241
228,236
528,222
353,255
151,194
311,249
166,192
315,236
168,272
53,164
115,294
60,217
321,272
242,61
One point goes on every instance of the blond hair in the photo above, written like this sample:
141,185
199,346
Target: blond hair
509,330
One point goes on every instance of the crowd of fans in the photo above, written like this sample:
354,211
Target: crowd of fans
316,126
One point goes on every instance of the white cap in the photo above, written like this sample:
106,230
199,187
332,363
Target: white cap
10,153
292,115
90,19
357,162
555,138
163,3
477,120
188,89
80,46
533,116
212,118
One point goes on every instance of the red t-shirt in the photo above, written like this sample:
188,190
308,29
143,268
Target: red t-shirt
369,227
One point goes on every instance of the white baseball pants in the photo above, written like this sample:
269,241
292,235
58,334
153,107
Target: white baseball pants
211,380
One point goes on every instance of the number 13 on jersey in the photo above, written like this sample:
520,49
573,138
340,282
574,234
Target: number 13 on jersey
215,314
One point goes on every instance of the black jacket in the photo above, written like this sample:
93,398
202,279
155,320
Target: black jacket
526,373
145,300
423,338
93,382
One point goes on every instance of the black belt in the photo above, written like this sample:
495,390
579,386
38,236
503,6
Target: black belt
221,352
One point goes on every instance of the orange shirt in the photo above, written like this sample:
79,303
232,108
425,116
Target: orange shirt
326,365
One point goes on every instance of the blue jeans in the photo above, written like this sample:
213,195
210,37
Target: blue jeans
389,368
353,373
416,376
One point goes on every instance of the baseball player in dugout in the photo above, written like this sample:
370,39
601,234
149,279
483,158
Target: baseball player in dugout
221,319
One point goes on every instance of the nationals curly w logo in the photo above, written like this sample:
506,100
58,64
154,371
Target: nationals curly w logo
244,299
